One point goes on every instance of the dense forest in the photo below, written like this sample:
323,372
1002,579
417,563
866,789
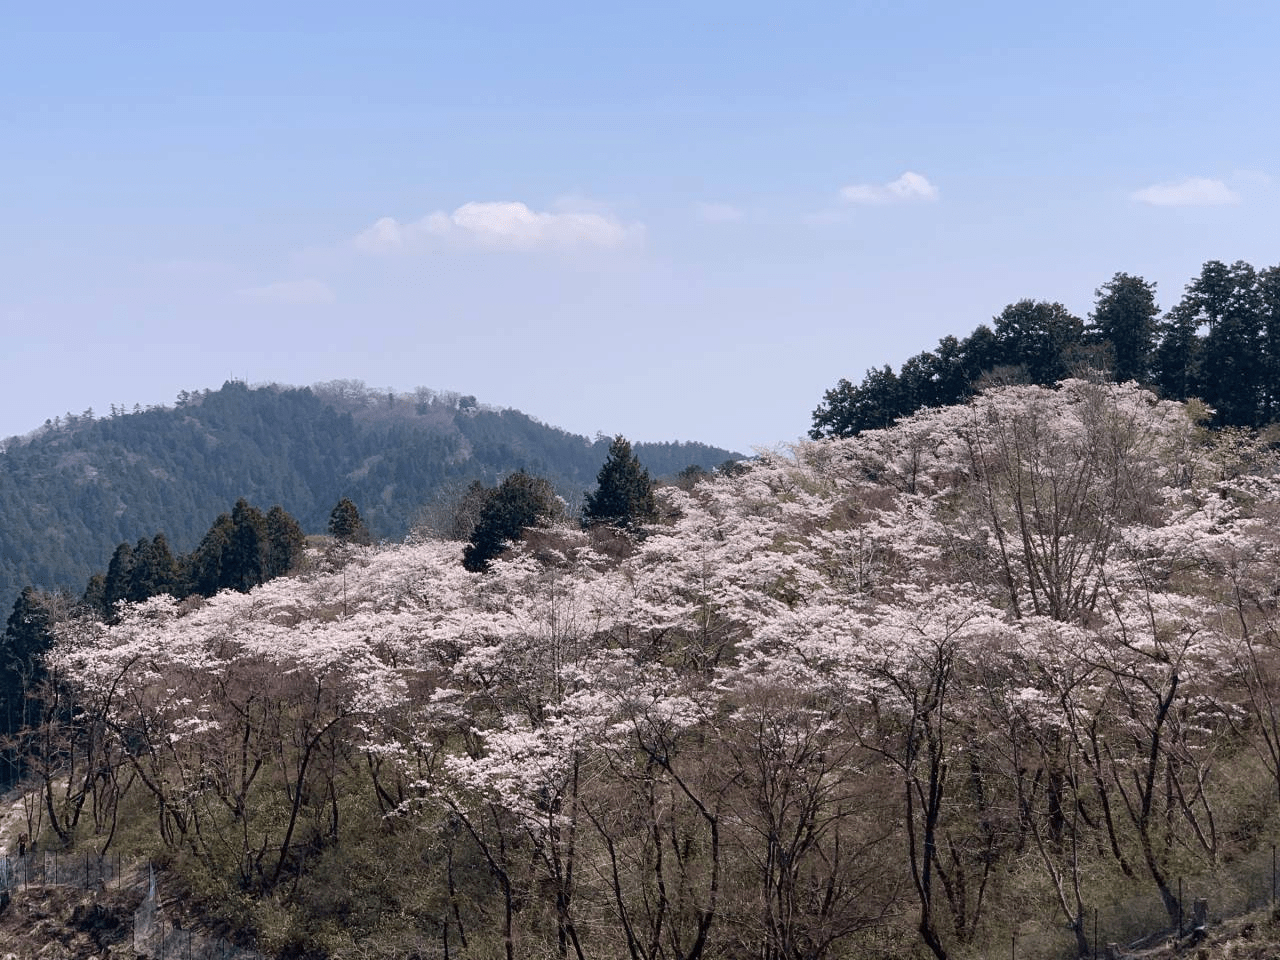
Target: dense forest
75,489
1220,343
1005,672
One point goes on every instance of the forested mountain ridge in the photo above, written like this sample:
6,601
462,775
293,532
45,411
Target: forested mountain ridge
74,489
1220,344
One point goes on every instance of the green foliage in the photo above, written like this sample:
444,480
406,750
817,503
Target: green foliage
241,550
345,524
848,410
27,637
154,570
521,501
1220,343
624,493
209,567
119,576
74,490
1124,317
286,543
244,563
1040,337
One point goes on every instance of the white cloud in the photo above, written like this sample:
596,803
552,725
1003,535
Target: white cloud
500,225
718,212
291,291
908,187
1191,192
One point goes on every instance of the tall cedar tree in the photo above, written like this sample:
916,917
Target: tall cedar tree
345,524
25,640
624,492
245,563
521,501
286,543
154,570
1124,319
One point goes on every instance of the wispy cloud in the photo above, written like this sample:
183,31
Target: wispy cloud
1191,192
291,291
909,187
718,212
500,225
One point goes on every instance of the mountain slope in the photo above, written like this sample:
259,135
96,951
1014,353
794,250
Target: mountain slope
72,491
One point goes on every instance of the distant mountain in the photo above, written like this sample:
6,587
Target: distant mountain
73,490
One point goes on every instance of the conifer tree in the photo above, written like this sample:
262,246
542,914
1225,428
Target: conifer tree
520,501
624,493
207,562
1124,316
119,576
286,543
245,562
22,646
345,524
154,570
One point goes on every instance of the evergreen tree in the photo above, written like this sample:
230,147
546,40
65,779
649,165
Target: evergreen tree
1124,318
1232,359
847,410
95,594
119,575
979,352
207,562
27,636
1176,363
154,570
286,544
624,493
244,564
1044,338
521,501
345,524
1269,313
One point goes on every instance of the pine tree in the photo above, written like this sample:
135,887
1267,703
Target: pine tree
1124,316
154,570
624,493
245,562
119,575
206,563
286,543
27,636
345,524
521,501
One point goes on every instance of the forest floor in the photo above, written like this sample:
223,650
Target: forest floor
1251,936
68,922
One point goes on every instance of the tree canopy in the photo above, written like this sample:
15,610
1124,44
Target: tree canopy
624,493
345,524
1220,343
520,501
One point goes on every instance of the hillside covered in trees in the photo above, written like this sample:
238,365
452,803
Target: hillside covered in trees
1002,672
81,485
1220,343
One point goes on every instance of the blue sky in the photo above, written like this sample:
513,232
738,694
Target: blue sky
672,221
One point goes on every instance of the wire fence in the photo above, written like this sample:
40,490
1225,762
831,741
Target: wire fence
154,934
1130,925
